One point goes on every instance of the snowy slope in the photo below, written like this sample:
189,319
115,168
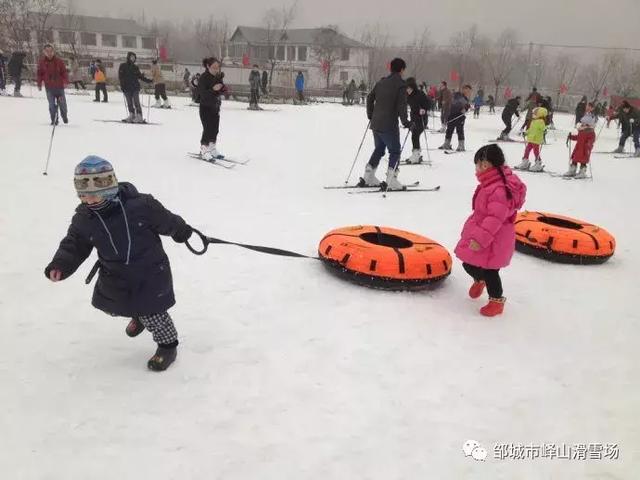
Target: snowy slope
285,372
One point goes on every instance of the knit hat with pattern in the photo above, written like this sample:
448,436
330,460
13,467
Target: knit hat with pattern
95,176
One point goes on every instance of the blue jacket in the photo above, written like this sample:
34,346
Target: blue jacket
477,101
300,83
135,276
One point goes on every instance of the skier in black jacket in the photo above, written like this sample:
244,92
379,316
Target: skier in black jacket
457,116
385,104
210,87
629,118
581,108
129,75
509,111
15,67
254,87
419,106
134,275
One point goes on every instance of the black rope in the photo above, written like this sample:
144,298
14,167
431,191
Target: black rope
206,241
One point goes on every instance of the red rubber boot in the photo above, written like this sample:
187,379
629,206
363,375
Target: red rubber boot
476,289
494,307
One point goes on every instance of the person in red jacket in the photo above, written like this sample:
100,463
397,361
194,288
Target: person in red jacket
53,73
585,139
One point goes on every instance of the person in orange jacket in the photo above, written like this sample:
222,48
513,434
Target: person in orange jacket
100,77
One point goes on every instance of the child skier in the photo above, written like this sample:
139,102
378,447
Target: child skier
492,104
419,105
535,138
134,276
477,103
585,139
487,242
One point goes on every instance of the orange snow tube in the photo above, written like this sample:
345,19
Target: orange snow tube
385,258
563,239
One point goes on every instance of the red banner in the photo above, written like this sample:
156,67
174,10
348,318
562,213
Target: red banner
605,92
508,93
325,66
454,76
563,88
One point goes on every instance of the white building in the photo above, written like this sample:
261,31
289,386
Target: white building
317,52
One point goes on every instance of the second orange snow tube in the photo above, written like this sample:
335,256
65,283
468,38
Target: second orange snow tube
385,258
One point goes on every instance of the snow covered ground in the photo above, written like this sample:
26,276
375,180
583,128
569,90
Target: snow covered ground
284,371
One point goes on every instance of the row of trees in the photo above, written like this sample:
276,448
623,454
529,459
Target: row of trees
506,60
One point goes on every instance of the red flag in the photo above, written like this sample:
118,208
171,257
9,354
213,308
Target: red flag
453,75
605,92
508,93
325,66
164,53
245,60
563,88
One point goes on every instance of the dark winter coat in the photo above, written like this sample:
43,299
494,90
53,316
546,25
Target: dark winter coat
581,109
16,64
459,105
511,109
209,97
386,103
265,80
134,276
625,119
129,75
254,80
418,100
52,72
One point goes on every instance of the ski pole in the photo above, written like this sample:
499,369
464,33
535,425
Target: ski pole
364,135
426,142
53,131
148,106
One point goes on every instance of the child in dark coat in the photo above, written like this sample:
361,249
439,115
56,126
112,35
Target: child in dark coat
134,275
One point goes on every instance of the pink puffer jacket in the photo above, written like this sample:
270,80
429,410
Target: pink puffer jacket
492,222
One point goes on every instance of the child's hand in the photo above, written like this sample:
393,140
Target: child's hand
475,246
55,275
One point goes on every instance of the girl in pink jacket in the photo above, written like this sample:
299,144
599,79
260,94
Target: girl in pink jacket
488,237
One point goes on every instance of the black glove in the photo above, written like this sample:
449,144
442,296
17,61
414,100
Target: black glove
183,235
409,125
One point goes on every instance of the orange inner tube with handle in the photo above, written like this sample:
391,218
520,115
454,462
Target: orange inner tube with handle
383,257
562,239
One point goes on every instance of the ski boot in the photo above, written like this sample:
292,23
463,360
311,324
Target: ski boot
572,170
392,180
494,307
17,94
415,157
138,118
620,149
214,151
165,355
476,289
524,165
205,153
537,167
583,172
158,104
460,146
369,178
134,328
446,145
129,119
166,104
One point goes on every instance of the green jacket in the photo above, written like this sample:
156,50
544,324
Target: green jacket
535,133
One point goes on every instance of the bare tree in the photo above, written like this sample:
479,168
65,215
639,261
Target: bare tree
72,22
212,35
626,78
416,54
536,65
376,38
19,18
328,50
565,70
464,49
498,57
276,22
596,75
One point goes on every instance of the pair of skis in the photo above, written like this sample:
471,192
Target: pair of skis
361,188
552,174
220,161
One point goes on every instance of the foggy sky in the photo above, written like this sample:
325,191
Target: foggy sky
611,23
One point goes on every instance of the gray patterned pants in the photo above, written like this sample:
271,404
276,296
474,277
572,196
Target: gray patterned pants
161,326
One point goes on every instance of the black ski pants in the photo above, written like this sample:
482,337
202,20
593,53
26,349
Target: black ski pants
133,101
210,118
160,90
490,277
456,124
101,87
